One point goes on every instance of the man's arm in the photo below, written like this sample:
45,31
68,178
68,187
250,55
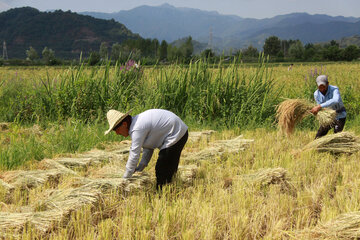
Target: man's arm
146,156
317,108
334,100
137,140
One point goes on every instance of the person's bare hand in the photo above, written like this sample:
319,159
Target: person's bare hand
315,109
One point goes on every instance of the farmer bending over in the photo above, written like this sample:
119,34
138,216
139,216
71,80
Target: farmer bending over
154,128
329,96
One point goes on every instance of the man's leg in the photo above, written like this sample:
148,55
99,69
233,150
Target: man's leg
339,125
322,131
168,162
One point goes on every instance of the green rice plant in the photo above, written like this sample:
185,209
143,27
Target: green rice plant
31,144
224,95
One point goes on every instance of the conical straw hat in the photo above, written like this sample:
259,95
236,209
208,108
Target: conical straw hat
114,118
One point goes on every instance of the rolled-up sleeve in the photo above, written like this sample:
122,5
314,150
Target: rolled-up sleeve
334,100
137,140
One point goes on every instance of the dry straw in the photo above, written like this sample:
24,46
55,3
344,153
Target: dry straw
292,111
268,176
345,226
343,142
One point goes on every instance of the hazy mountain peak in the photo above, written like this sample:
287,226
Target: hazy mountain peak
166,5
166,22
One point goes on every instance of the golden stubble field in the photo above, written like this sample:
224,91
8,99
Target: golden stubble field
262,189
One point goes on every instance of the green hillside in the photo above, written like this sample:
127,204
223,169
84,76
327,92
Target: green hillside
66,33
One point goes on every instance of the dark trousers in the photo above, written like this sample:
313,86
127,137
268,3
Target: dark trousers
338,127
168,162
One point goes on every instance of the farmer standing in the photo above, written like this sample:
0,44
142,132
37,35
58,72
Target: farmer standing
154,128
329,96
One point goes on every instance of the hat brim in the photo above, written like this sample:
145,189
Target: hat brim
322,83
117,122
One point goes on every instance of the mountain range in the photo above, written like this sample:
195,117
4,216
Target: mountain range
69,33
166,22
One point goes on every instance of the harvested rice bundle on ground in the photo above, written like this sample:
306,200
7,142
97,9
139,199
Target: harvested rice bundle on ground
343,142
345,226
268,176
291,111
187,173
196,136
32,179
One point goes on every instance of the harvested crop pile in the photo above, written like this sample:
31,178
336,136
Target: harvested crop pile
187,173
218,149
196,136
343,142
292,111
32,179
268,176
345,226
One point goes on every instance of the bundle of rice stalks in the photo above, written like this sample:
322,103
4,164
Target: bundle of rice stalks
6,191
345,226
12,222
292,111
32,179
268,176
238,143
196,136
47,164
219,148
68,200
343,142
187,173
326,117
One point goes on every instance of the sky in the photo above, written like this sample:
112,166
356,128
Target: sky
243,8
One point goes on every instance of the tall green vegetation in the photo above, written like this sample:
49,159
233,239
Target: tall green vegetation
226,95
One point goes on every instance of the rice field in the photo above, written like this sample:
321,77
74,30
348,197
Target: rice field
262,185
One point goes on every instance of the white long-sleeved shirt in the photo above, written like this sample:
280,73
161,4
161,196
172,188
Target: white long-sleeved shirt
154,128
331,99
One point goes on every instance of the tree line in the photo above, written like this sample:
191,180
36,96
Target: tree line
151,51
295,50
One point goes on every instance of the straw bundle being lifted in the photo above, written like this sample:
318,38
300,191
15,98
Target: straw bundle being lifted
292,111
326,117
343,142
